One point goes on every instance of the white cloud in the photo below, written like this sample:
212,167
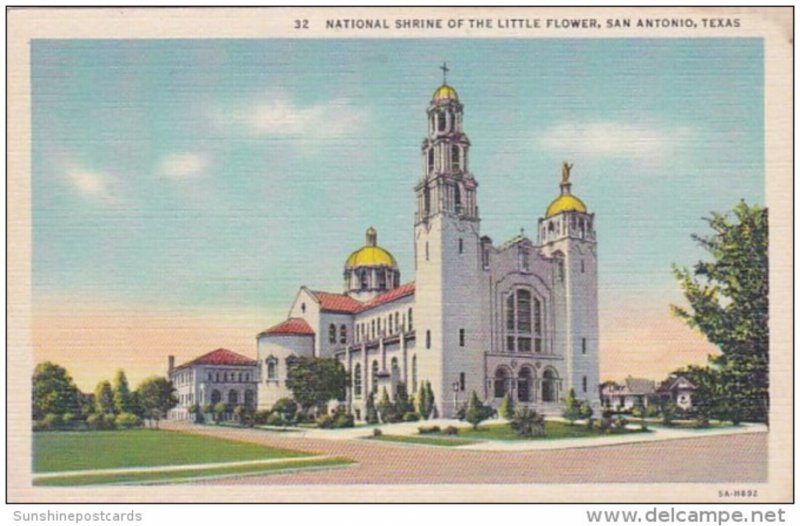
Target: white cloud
91,184
614,139
185,165
278,116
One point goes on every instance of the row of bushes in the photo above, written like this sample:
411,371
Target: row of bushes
94,421
427,430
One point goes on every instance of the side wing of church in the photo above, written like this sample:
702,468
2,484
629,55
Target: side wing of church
518,318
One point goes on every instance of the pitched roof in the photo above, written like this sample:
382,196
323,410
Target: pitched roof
395,294
331,302
640,385
220,357
292,326
670,383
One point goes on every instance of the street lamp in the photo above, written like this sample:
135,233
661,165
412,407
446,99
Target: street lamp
456,385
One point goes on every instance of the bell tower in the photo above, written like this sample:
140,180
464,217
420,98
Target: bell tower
447,261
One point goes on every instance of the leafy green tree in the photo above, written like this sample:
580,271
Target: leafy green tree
572,407
386,408
316,381
219,411
86,403
157,396
477,412
402,402
423,407
53,391
585,411
527,422
104,397
729,303
122,393
506,408
431,399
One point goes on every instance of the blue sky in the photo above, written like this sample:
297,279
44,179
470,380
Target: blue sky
220,173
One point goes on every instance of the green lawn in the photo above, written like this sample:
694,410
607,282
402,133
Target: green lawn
187,475
446,441
553,430
70,451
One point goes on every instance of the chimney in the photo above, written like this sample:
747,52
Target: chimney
171,362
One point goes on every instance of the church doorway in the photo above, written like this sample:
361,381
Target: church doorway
549,379
501,382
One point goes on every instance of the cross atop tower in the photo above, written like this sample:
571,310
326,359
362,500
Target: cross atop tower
444,69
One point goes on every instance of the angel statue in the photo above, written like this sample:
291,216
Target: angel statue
565,169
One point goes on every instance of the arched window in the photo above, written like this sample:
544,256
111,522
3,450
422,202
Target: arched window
457,196
343,334
249,399
391,324
410,320
381,280
501,381
428,339
272,369
427,194
364,280
524,383
373,329
441,121
456,155
374,376
585,384
549,379
357,381
217,377
537,325
332,333
414,374
216,396
233,397
395,369
430,171
397,321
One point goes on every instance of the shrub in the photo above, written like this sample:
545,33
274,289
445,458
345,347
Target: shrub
274,419
410,417
619,423
377,432
424,430
343,420
52,421
477,412
109,421
585,411
701,421
219,410
324,421
286,408
372,414
260,417
69,419
95,421
128,420
450,430
528,423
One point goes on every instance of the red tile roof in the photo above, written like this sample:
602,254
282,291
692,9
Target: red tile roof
395,294
292,326
331,302
220,357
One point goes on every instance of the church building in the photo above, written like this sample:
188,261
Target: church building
518,318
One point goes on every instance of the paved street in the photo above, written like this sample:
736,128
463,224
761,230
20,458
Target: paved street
728,458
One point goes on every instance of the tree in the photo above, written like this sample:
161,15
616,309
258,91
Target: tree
431,401
53,391
477,412
122,393
104,397
219,410
572,407
423,408
386,409
157,396
729,303
372,413
315,381
402,402
506,408
527,423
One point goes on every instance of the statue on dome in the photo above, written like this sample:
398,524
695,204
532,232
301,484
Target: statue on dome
565,169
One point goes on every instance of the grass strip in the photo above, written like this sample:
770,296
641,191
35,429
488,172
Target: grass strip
191,474
425,440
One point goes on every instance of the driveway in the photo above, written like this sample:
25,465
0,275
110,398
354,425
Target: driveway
717,458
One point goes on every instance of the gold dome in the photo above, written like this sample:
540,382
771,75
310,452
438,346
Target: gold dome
565,203
371,255
445,92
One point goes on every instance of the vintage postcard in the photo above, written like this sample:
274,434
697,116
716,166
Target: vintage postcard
400,255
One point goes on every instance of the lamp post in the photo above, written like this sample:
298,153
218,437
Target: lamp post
456,385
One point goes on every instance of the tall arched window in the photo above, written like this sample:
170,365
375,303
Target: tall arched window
381,280
249,399
357,381
441,120
549,379
537,325
272,369
364,280
343,334
414,374
524,383
457,197
233,397
426,195
430,171
518,321
410,320
456,155
501,381
374,376
395,369
332,333
216,397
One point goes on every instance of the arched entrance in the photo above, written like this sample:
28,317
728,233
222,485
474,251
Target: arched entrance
216,397
524,384
549,386
502,380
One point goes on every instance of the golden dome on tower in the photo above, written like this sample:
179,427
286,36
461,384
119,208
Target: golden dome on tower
566,202
445,92
371,255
